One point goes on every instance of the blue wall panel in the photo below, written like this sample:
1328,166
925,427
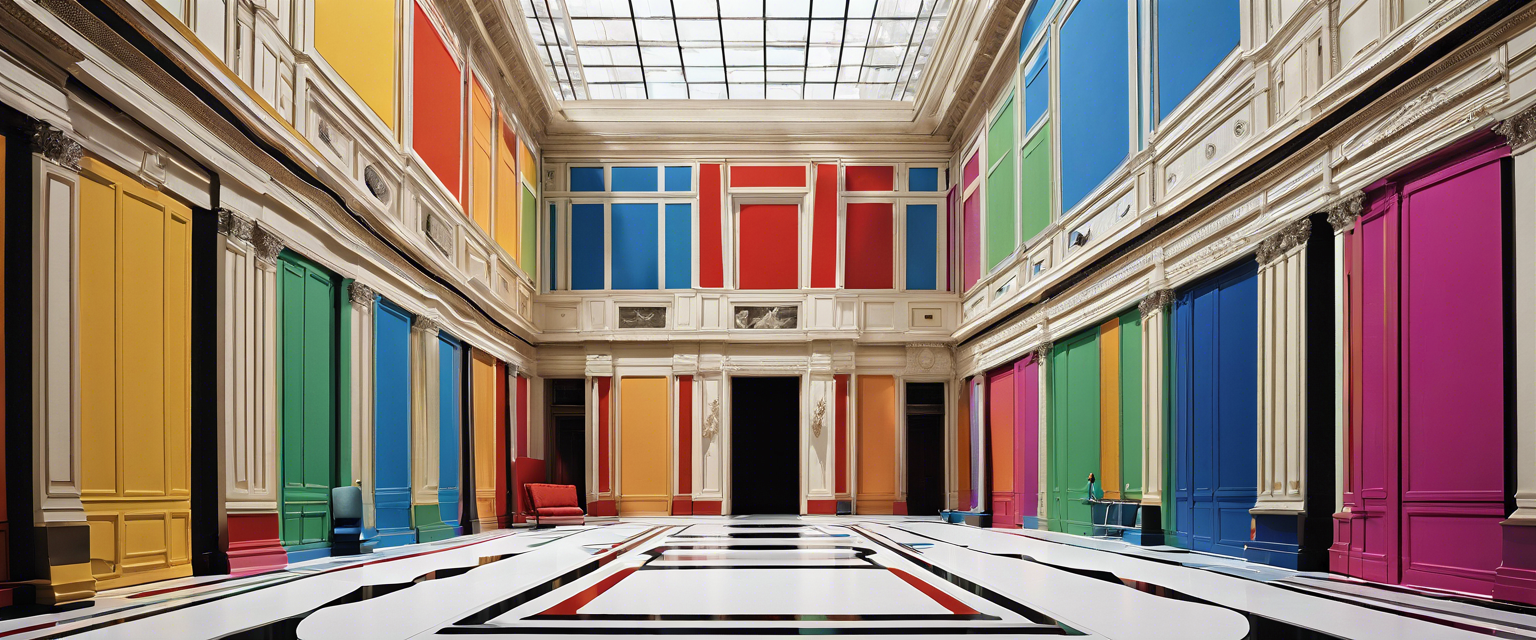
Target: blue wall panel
1183,61
1033,21
679,178
587,179
679,246
450,354
392,425
634,246
634,178
1037,88
1095,96
587,250
922,246
923,179
1215,344
554,249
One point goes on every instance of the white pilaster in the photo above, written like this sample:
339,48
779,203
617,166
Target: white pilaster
1282,370
1520,131
424,413
362,297
55,356
1341,216
1154,316
247,292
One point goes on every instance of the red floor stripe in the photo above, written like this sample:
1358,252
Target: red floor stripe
954,605
572,605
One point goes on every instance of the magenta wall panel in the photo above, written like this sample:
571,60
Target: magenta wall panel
1026,439
970,221
1426,470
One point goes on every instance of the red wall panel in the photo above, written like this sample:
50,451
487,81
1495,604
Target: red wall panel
824,228
501,452
840,426
791,176
522,417
711,271
684,499
438,105
869,241
603,422
769,246
869,179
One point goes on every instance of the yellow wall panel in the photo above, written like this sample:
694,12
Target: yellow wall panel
876,492
528,165
644,448
507,222
135,288
483,374
357,38
480,168
1109,408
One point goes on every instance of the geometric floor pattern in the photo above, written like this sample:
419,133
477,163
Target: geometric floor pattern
777,576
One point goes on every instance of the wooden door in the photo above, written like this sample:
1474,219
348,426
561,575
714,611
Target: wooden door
134,341
1216,350
1074,444
307,347
485,441
392,425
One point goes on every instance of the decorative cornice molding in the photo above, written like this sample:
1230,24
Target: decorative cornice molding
56,146
1343,210
1156,300
268,245
1288,237
1519,129
989,44
235,226
361,294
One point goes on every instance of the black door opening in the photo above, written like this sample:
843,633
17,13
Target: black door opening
925,448
765,446
569,428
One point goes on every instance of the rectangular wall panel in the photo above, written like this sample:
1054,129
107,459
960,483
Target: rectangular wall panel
1109,407
1074,436
588,247
1001,183
878,178
634,178
824,228
481,129
1026,444
869,243
769,247
357,40
1000,428
392,425
135,344
1182,62
1035,184
644,448
679,246
1094,103
970,223
635,245
587,179
485,442
530,233
1130,404
436,103
1037,87
922,247
758,177
923,179
877,444
307,348
450,371
554,247
678,178
507,214
711,238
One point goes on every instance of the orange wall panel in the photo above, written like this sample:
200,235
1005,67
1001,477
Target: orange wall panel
482,128
877,444
507,223
483,404
1109,408
1000,429
644,448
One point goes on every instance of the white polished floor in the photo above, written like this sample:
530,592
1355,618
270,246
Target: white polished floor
720,576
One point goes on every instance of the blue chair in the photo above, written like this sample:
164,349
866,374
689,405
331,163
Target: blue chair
347,522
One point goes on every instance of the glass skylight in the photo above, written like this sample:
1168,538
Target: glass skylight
735,49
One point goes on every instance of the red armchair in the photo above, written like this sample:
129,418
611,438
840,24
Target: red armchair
553,504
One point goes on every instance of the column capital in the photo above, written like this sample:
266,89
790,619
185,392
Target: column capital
1519,129
1157,300
361,294
268,245
427,324
1344,208
1281,242
56,146
234,225
1043,350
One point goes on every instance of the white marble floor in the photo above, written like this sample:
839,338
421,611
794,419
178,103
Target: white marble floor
721,576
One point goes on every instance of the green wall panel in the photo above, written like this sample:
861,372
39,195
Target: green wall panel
530,235
307,348
1035,186
1073,440
1130,403
1000,189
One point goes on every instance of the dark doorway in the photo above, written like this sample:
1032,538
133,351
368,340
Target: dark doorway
925,448
765,441
568,428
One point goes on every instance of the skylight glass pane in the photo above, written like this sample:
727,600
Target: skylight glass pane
734,49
